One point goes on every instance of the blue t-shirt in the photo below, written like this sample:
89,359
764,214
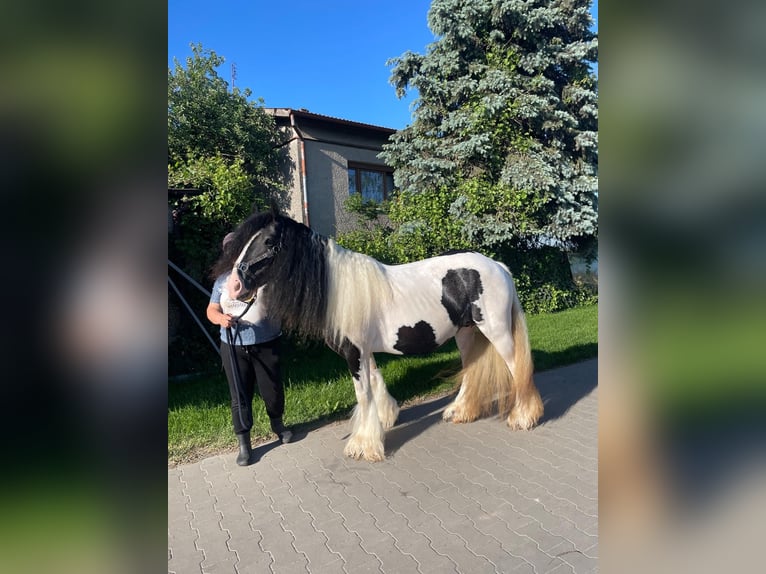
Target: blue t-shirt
255,326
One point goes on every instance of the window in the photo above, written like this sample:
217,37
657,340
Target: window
374,182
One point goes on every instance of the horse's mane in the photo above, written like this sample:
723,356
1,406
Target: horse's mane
357,291
296,291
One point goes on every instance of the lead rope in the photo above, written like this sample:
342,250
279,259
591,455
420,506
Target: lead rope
234,363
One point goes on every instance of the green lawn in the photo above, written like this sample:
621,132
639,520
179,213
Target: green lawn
318,385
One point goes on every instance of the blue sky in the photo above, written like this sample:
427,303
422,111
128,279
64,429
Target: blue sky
327,56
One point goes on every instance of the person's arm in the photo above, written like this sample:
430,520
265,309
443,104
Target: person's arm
216,316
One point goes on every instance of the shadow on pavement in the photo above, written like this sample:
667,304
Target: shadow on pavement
559,395
414,420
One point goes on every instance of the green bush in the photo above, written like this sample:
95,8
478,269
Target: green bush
544,279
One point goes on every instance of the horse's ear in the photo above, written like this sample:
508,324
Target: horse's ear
274,208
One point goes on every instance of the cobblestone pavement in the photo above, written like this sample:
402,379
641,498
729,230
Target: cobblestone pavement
470,498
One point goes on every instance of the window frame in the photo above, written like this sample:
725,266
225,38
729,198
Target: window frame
384,170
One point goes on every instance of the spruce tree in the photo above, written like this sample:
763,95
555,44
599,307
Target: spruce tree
506,119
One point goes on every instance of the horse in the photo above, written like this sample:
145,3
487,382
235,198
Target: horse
360,306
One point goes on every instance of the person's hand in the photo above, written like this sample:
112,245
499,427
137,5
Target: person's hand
228,321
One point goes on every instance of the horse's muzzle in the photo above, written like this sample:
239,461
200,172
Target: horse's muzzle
235,286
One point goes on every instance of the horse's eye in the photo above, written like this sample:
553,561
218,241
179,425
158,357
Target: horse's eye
269,242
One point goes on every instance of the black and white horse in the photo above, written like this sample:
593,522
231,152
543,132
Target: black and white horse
361,306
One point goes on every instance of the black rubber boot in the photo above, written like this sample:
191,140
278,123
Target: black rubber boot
284,433
245,450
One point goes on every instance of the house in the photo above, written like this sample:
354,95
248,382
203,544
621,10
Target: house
329,159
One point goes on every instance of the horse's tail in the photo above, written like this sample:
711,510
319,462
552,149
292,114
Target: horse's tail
485,379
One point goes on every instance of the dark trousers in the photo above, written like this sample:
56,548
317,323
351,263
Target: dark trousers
258,365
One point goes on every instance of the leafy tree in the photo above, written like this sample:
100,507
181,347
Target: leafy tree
206,119
505,122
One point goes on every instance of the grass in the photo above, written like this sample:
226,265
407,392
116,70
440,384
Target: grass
318,386
563,338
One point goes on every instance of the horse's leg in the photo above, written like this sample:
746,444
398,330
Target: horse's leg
528,407
460,410
366,440
388,409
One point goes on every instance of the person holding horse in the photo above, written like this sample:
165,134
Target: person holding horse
250,352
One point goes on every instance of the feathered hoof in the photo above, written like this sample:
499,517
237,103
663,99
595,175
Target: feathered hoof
357,449
523,419
458,414
520,425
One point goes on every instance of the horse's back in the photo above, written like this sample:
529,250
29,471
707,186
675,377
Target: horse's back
449,260
468,267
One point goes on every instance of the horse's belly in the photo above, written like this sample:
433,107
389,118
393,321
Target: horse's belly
417,336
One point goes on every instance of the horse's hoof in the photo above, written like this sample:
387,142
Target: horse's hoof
525,418
374,457
448,413
357,452
368,456
520,425
516,422
371,456
457,414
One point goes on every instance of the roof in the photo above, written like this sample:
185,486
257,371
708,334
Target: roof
303,113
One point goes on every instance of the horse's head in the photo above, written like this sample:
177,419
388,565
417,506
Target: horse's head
251,268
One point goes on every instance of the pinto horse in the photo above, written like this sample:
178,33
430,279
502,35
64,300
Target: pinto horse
360,306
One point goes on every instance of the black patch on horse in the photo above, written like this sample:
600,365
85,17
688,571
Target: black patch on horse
460,288
416,340
350,352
